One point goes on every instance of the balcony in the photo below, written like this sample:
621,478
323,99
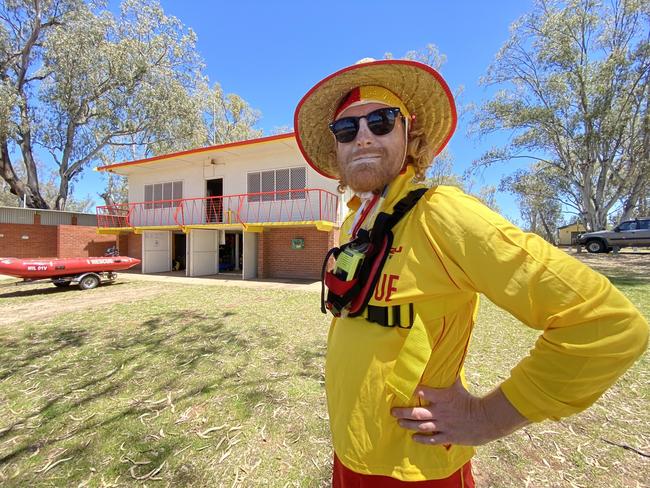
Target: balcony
247,211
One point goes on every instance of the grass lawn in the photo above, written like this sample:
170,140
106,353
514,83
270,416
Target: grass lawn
186,385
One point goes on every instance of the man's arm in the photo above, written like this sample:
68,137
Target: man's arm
590,332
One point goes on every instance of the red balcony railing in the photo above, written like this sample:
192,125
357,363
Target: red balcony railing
116,215
264,207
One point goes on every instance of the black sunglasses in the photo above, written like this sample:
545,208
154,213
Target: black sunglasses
380,122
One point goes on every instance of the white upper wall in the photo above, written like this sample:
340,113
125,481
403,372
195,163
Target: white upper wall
230,164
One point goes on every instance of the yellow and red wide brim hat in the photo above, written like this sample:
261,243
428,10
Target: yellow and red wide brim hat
421,89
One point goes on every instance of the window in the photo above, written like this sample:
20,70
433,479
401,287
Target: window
268,185
282,182
161,194
644,224
298,181
274,181
625,226
253,186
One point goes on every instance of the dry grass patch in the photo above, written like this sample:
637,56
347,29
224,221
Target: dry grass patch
197,386
186,385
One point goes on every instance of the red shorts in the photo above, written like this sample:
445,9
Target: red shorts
343,477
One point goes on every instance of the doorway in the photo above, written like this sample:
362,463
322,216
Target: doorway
179,248
230,253
214,204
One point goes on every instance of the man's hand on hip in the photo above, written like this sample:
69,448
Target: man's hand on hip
454,416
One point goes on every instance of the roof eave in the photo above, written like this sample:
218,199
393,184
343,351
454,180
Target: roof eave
112,167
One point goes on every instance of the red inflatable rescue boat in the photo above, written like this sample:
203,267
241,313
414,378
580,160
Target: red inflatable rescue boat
37,269
87,272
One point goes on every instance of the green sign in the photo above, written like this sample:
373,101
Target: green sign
298,243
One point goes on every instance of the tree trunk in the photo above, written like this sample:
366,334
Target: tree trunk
550,236
108,199
62,197
639,194
33,189
631,202
32,199
587,206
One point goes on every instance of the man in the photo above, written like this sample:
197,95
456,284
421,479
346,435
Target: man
399,411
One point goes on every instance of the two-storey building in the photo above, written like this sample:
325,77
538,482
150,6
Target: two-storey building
254,208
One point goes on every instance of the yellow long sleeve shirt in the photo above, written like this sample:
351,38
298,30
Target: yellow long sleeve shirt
446,251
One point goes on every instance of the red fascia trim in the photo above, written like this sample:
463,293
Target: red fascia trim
433,72
198,150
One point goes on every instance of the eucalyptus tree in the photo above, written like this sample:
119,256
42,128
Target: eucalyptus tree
77,80
575,78
49,190
536,192
441,171
227,117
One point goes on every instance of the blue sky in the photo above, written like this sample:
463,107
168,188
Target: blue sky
271,53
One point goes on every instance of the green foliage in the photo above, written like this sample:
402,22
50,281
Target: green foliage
119,80
49,190
228,117
116,190
7,199
536,191
576,78
441,173
429,55
88,85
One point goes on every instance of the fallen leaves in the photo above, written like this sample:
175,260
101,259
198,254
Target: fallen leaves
151,475
53,463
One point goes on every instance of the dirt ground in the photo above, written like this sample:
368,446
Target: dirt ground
40,301
632,264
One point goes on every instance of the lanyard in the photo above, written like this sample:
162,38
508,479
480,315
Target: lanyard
361,219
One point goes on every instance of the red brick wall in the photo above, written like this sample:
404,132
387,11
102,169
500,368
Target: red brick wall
133,247
41,242
82,241
63,241
123,244
276,259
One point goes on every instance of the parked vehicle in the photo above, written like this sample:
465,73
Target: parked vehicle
631,233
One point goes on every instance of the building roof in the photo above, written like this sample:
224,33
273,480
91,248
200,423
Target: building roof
201,150
571,225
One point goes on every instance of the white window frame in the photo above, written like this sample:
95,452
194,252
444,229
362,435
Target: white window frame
272,197
159,189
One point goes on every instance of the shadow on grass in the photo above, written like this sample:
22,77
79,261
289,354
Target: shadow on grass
47,343
72,289
312,360
628,280
105,386
53,409
167,339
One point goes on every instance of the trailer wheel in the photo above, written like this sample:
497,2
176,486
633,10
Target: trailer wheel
61,283
89,282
